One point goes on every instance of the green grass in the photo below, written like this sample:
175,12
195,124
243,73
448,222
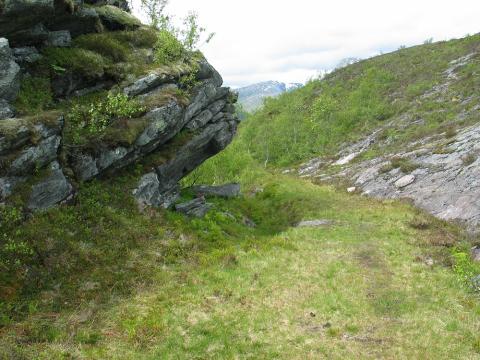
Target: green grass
101,279
117,284
35,95
353,101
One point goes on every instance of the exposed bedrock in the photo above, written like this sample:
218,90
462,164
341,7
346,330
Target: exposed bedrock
173,135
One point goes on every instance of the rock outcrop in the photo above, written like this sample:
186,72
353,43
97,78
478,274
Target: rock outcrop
39,166
442,176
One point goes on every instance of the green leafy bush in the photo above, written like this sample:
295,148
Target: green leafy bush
168,48
35,95
85,121
465,269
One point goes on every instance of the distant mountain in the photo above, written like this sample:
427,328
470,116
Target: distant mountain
251,96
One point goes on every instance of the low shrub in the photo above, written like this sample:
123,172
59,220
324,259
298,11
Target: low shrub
168,48
467,271
35,95
85,121
405,165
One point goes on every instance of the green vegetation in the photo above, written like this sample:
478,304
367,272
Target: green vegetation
86,122
387,91
405,165
102,279
83,62
105,45
168,48
106,281
35,95
118,16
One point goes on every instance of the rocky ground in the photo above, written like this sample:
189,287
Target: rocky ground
39,160
439,172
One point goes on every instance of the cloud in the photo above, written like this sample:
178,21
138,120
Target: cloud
260,40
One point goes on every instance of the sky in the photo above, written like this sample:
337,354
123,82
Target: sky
293,41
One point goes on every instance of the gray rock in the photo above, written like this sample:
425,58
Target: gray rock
248,222
50,191
210,141
6,110
200,120
13,142
206,92
475,252
195,208
163,123
315,223
31,36
36,156
404,181
85,167
475,282
109,157
26,55
217,106
225,191
7,186
60,38
143,85
115,19
220,116
9,73
83,21
149,192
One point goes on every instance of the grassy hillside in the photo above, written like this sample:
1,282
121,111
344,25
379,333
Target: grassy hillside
107,282
406,86
101,279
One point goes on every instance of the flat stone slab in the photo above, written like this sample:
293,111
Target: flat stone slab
195,208
315,223
404,181
225,191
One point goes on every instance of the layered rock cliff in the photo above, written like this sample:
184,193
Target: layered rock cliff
84,62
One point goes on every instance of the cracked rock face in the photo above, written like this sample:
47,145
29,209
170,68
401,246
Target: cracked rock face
446,185
9,80
33,149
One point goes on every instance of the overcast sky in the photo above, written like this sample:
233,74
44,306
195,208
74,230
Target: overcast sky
291,41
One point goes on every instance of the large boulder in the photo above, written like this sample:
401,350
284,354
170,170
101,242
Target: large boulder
224,191
194,208
9,73
114,18
51,190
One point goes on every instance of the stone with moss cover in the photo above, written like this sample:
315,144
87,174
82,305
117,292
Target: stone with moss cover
117,93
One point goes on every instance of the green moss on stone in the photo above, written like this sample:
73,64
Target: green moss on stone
103,44
145,37
113,16
35,95
84,62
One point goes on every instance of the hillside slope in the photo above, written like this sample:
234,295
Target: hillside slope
399,125
251,97
104,278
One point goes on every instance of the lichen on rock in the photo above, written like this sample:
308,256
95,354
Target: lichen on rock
101,104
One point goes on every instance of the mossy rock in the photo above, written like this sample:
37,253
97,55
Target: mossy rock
115,19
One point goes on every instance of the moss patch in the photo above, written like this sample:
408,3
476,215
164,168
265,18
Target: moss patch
103,44
35,95
84,62
117,19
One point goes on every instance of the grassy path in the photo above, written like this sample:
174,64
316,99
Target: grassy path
363,288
